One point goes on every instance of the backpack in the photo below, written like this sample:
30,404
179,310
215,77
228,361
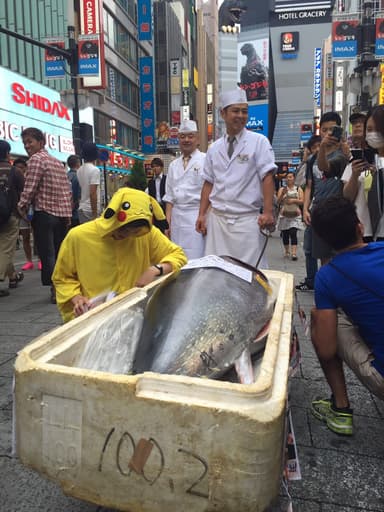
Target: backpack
6,197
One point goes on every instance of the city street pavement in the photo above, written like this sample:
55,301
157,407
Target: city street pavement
338,474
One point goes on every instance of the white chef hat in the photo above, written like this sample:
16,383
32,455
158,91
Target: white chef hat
231,97
188,126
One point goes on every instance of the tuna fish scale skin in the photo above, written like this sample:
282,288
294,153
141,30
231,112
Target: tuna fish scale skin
199,323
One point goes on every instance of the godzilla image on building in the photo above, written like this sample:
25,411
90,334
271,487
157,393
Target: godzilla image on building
253,74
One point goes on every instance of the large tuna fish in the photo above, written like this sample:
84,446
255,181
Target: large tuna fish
200,321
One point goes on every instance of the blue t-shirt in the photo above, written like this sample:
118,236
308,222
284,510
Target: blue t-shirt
366,310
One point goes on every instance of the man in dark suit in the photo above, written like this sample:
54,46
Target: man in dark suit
156,187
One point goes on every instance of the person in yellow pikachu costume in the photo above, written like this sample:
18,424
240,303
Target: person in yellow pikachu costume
113,253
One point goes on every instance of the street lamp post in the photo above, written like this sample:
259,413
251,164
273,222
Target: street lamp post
74,85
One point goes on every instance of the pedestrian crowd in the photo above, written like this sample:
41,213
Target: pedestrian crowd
222,202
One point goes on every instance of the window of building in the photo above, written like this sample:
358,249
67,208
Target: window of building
130,7
108,130
122,90
118,38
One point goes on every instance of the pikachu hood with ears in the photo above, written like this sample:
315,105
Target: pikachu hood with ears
91,261
128,205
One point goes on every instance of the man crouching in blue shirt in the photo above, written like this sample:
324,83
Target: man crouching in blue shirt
347,324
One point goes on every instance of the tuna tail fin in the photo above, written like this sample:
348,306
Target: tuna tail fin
244,368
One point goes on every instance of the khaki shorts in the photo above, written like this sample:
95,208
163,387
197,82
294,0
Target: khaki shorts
355,353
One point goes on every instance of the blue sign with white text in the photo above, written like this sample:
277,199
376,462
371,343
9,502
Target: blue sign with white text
147,102
344,49
258,118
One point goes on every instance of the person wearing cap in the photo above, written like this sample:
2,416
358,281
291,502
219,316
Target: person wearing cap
183,189
12,180
239,180
88,176
357,121
117,251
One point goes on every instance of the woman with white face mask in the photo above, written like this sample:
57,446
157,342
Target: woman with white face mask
363,178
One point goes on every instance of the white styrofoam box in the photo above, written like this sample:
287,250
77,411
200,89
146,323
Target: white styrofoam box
152,442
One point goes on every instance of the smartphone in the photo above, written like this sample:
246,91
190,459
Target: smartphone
369,155
357,154
337,132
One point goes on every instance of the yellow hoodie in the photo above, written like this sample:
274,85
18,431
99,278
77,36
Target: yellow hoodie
91,261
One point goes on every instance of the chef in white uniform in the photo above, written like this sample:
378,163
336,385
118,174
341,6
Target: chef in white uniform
182,192
239,181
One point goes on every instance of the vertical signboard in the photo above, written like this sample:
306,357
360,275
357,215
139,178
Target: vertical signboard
253,63
91,23
54,63
144,20
147,105
379,46
344,39
317,77
89,62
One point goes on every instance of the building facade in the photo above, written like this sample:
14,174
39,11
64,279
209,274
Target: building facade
116,112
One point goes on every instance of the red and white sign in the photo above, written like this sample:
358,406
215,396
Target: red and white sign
23,96
91,22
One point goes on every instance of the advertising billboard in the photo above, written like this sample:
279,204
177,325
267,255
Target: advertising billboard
379,45
317,76
147,103
344,39
252,66
144,20
54,63
89,55
25,103
91,23
258,119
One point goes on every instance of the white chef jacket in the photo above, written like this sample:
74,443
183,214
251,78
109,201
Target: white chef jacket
183,186
237,181
183,190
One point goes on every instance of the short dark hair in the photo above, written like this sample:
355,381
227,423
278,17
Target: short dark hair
314,139
335,220
157,161
73,160
22,161
90,151
5,149
330,116
35,133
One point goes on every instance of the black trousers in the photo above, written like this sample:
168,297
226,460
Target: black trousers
289,234
49,231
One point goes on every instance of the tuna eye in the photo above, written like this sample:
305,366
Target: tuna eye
126,205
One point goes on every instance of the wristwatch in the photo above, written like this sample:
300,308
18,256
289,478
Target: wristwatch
160,269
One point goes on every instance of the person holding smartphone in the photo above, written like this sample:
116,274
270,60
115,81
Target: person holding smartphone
364,177
357,180
322,180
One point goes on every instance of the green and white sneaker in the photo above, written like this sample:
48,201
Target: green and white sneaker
338,420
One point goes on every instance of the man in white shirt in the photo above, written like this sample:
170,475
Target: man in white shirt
183,188
239,180
88,176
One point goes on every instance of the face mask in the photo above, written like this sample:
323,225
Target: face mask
375,140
